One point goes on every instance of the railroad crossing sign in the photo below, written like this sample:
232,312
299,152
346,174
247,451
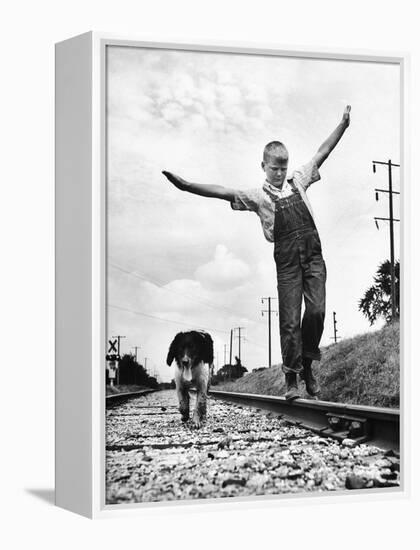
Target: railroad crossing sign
112,354
112,346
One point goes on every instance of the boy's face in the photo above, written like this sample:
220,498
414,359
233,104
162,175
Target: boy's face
275,169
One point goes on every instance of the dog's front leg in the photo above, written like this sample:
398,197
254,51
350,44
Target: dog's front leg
183,395
184,403
200,411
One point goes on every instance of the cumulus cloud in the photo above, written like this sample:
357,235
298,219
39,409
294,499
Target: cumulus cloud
224,271
182,296
172,89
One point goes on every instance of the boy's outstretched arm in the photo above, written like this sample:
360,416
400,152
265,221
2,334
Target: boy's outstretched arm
205,190
333,139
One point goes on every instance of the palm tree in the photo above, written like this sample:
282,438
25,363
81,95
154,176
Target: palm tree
377,299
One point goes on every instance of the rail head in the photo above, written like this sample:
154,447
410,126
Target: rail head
322,406
118,397
375,425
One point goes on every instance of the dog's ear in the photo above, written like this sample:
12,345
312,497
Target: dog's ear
208,354
172,349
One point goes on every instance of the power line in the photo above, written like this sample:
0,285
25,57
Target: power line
253,343
193,298
350,234
201,327
163,319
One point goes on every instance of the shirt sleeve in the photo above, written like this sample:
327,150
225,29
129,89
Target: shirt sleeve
307,174
246,200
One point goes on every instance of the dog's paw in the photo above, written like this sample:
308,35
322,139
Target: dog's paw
197,422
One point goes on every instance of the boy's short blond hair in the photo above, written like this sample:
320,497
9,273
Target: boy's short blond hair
276,149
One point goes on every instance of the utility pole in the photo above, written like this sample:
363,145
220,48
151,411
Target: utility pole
269,311
335,328
135,348
229,370
391,220
239,336
145,364
224,354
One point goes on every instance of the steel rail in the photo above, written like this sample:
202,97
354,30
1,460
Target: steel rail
378,426
117,398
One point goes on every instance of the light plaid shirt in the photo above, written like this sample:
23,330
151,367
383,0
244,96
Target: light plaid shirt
261,200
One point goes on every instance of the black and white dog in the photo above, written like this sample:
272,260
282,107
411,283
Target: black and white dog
193,354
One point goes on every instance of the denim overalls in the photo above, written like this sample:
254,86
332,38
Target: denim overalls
300,272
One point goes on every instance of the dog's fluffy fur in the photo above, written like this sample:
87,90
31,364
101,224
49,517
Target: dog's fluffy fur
193,354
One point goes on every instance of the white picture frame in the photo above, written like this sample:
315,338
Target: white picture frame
81,255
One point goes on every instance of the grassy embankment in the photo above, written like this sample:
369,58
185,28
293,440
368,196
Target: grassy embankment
361,370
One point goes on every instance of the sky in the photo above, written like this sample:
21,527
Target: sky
176,261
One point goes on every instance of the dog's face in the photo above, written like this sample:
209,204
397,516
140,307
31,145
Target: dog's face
190,349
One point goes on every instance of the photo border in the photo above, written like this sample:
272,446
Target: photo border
100,42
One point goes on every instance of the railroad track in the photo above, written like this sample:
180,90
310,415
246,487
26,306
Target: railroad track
246,448
378,426
116,398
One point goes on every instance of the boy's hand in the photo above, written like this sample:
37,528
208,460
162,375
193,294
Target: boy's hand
346,115
176,180
332,140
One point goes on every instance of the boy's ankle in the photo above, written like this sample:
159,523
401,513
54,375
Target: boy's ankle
292,391
312,386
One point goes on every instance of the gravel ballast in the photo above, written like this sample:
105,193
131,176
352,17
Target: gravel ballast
151,456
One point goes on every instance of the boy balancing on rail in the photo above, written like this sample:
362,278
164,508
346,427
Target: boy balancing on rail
287,221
